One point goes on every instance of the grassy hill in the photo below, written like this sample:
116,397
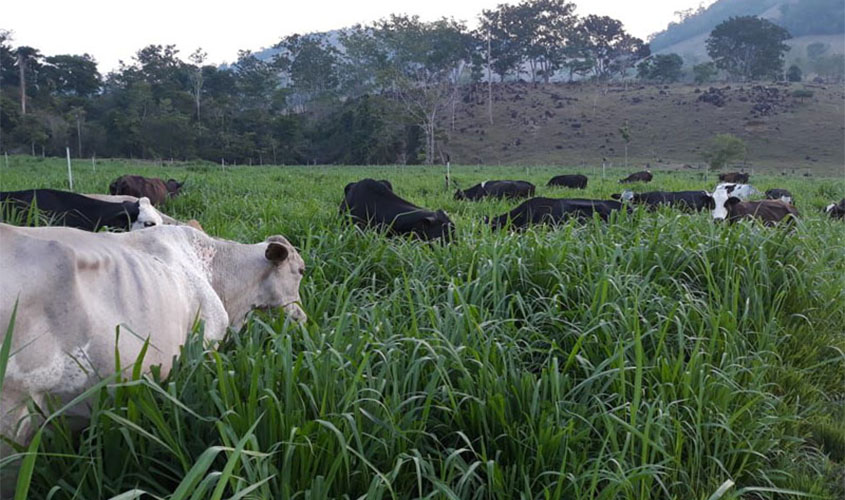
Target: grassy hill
570,124
799,17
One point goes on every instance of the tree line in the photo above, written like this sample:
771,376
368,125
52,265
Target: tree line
386,92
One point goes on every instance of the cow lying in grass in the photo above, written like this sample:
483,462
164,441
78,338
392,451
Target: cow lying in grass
80,211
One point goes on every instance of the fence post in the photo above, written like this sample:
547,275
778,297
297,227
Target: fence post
69,171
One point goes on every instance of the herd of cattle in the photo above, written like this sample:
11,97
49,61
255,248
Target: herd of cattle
372,203
70,288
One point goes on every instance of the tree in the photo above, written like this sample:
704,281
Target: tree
197,78
424,63
503,26
793,74
748,47
723,149
704,72
27,57
625,132
71,75
546,28
611,49
311,61
661,68
802,94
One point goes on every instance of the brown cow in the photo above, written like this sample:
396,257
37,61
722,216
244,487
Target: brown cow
157,190
734,177
769,211
644,176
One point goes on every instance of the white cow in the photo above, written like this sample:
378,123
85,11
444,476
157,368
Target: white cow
74,288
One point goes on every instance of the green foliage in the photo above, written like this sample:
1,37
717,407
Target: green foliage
793,74
704,72
799,17
816,50
656,356
802,94
748,48
723,149
663,68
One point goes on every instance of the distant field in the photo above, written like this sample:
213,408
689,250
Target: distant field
660,355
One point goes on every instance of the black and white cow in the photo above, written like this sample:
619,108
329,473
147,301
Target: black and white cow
82,212
371,203
780,194
575,181
554,211
691,200
497,189
836,210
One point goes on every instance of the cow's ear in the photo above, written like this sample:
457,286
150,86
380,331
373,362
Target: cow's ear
733,200
616,196
276,252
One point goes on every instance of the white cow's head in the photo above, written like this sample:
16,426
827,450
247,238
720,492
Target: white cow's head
280,286
720,197
148,216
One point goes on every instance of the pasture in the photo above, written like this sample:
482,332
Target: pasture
659,355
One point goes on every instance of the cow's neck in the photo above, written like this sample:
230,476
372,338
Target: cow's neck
230,268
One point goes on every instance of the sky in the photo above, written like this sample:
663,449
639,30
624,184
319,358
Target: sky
114,30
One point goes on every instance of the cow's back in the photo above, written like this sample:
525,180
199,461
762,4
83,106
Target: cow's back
75,288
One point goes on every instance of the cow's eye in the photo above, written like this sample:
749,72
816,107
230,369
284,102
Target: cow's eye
149,224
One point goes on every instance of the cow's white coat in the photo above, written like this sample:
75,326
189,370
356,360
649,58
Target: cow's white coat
74,288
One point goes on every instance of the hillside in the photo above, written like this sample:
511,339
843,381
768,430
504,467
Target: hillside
800,17
579,124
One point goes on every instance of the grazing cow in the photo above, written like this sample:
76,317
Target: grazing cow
81,211
734,177
554,211
157,190
120,198
741,191
370,203
644,176
836,210
733,209
73,289
692,200
780,194
497,189
576,181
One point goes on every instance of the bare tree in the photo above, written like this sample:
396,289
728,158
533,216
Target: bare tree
198,58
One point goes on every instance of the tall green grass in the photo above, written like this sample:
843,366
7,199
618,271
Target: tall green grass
657,356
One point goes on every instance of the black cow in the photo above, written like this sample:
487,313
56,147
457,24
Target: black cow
554,211
79,211
644,176
691,200
371,203
496,189
780,194
735,177
836,210
576,181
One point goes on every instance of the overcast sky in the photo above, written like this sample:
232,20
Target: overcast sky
112,30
